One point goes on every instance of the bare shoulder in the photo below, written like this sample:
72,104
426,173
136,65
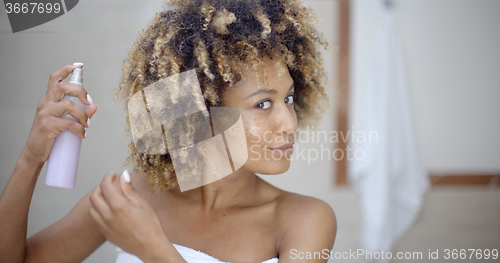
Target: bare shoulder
295,209
307,224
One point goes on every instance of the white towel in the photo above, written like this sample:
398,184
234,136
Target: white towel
390,179
189,254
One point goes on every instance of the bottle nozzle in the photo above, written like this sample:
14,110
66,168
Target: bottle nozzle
77,76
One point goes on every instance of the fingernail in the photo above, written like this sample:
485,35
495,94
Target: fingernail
85,134
90,99
78,64
88,122
126,176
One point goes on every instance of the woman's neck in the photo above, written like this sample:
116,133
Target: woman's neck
236,189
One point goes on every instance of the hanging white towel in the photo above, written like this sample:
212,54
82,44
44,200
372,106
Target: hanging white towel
390,179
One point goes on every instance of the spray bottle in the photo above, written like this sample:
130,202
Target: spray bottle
62,165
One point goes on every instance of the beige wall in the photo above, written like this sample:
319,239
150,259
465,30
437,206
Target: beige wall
99,34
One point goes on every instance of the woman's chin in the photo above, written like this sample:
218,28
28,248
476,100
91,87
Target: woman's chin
269,167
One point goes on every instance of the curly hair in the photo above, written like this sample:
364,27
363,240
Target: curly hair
217,38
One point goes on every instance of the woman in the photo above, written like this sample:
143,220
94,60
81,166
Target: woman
258,57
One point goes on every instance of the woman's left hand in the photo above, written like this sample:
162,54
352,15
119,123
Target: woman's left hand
125,218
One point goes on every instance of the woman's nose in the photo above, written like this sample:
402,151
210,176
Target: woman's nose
286,120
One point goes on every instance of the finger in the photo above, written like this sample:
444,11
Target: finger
67,107
60,74
100,206
72,126
127,188
112,195
62,88
54,126
91,109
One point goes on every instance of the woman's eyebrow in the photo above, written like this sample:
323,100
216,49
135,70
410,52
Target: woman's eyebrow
268,91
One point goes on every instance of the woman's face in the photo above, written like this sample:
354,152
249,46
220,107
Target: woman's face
267,109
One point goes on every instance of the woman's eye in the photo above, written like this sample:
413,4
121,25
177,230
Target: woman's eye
290,99
264,105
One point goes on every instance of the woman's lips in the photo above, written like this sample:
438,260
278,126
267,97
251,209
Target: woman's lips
283,151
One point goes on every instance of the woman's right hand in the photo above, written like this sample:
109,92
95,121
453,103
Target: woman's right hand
48,124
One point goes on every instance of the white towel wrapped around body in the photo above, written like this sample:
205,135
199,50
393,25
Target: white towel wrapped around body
189,254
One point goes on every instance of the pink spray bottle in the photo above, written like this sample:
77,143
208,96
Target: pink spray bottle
62,165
